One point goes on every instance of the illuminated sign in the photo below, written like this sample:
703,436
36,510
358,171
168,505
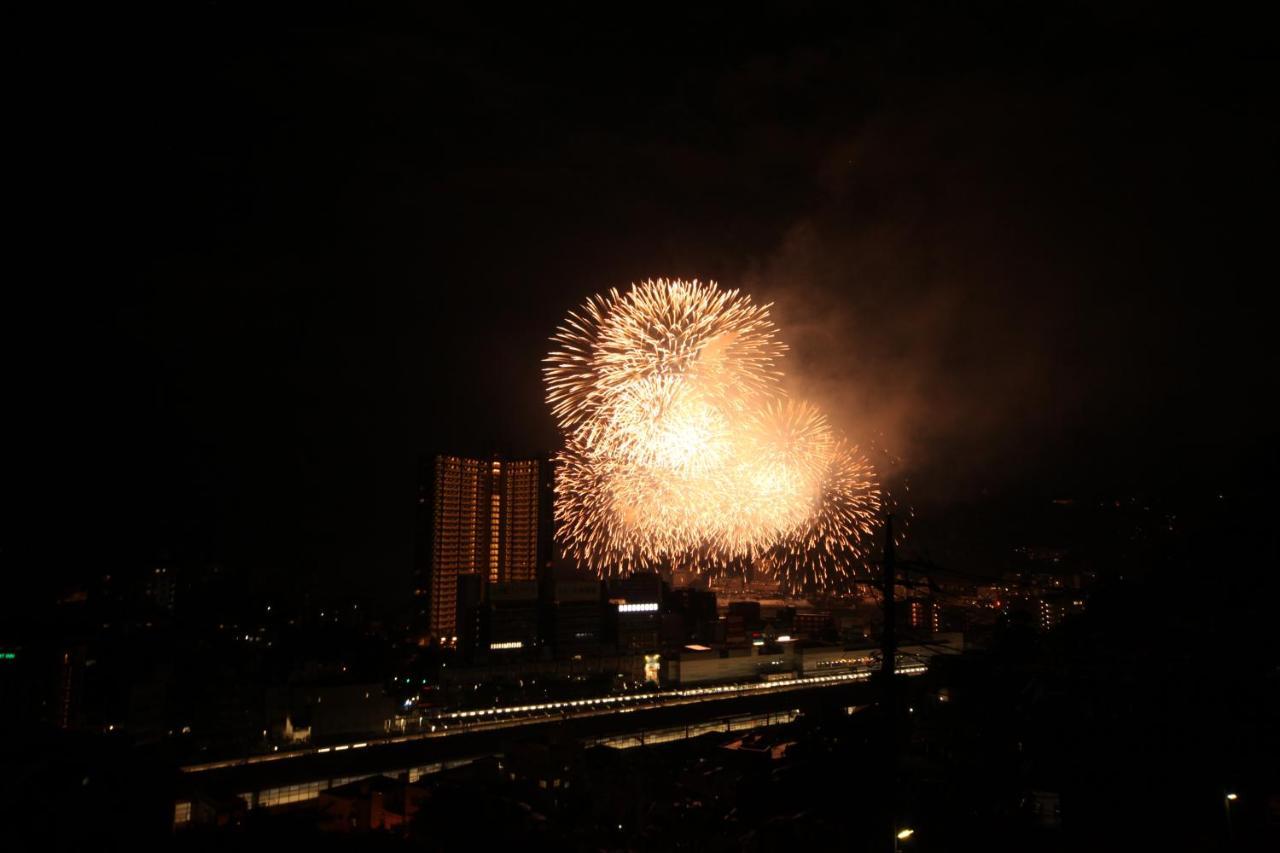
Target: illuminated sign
652,667
642,607
514,644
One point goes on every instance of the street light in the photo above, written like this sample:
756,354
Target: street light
1231,797
904,834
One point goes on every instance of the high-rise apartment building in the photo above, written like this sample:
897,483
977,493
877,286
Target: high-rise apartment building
486,517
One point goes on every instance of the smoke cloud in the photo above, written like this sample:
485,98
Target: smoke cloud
980,296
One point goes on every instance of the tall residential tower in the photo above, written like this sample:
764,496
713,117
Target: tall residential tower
487,517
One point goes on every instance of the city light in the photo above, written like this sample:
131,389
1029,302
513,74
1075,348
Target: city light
1233,797
517,714
904,834
513,644
652,668
645,607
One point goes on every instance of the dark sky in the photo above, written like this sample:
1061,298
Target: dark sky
1023,251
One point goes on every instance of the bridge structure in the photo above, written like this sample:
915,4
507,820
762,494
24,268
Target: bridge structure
456,738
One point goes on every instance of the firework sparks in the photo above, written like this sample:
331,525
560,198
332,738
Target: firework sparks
680,446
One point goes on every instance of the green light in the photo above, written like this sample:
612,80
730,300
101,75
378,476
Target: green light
8,655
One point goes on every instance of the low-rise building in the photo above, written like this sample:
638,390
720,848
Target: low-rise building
378,802
698,664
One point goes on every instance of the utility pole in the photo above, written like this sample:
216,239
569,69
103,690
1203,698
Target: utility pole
888,632
888,666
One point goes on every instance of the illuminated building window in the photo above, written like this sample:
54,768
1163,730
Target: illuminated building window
290,794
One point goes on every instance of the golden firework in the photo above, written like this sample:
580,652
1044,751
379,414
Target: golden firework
681,448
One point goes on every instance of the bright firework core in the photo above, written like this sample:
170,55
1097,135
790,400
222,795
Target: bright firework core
682,448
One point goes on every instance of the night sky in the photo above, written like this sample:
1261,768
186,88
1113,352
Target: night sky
289,254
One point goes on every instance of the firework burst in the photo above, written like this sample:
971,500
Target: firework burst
681,448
